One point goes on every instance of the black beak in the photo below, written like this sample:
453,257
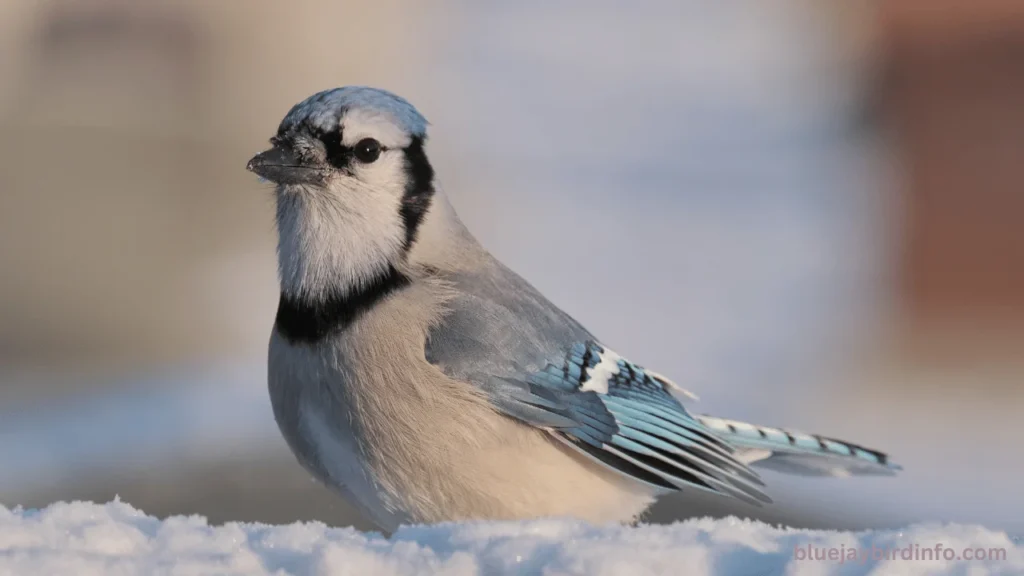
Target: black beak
280,165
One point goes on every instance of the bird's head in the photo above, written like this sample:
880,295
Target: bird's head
353,185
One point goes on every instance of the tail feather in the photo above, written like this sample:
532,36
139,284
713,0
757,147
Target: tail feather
799,453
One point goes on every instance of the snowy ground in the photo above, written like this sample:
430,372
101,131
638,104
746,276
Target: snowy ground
116,539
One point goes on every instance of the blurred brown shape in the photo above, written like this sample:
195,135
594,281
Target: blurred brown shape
953,96
103,189
131,236
935,22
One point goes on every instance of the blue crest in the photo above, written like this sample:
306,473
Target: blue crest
322,110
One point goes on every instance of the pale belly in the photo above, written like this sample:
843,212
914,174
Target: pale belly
527,476
346,473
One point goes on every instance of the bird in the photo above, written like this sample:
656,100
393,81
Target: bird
422,380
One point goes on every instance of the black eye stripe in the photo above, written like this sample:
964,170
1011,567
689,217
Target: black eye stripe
338,155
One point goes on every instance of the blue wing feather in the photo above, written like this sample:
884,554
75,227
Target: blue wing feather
629,421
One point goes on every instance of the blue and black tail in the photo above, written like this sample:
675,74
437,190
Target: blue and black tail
799,453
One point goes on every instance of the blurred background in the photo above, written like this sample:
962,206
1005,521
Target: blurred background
825,197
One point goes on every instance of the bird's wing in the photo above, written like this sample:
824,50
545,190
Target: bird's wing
537,365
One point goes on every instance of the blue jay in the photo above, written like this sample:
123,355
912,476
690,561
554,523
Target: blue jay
417,376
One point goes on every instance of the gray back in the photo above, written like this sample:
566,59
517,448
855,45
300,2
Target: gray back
498,325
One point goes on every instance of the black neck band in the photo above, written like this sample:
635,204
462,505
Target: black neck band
308,321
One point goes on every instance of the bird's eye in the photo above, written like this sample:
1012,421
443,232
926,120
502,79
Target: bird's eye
367,150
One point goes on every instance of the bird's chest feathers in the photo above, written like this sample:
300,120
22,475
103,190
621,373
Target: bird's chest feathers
360,436
381,398
373,410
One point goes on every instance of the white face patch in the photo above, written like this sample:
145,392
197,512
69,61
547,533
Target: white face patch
598,376
359,123
387,173
347,233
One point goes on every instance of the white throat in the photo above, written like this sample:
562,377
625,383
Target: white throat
327,246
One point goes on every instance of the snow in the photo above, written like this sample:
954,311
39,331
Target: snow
116,539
